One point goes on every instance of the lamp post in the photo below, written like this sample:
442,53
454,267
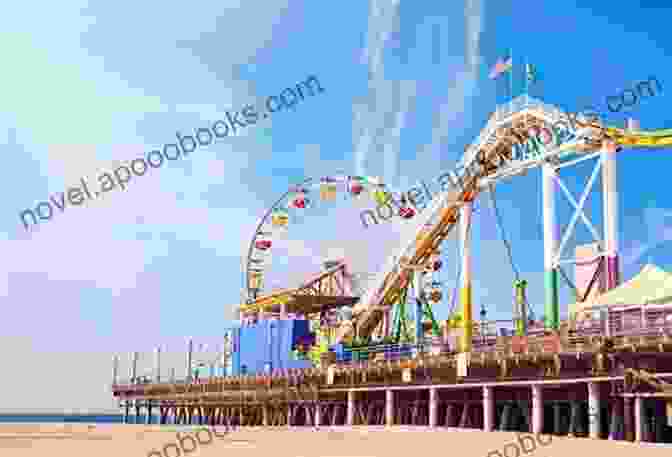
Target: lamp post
483,322
190,354
134,367
157,364
115,370
195,365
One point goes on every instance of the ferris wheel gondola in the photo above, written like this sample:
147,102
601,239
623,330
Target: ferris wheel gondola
356,187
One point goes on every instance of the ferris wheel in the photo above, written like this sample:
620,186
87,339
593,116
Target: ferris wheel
287,210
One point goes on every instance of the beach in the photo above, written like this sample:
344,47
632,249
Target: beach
138,440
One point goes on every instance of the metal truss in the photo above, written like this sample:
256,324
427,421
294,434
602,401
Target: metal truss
578,210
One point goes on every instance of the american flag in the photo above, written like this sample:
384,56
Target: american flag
500,67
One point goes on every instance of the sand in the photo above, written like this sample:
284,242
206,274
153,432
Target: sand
19,440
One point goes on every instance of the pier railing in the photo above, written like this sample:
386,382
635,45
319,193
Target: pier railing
611,328
621,326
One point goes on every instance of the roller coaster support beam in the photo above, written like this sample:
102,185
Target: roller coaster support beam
418,292
610,203
465,290
551,309
521,307
610,208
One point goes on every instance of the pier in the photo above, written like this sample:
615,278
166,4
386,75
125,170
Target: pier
591,387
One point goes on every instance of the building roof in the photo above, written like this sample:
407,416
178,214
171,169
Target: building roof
651,285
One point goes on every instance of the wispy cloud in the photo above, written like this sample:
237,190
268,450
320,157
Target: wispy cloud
386,112
380,117
658,223
462,86
79,103
474,26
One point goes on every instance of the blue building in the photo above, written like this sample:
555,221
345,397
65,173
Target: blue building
266,346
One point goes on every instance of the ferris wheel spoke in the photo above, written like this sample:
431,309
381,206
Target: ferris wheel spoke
292,209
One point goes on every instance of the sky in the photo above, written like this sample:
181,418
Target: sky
88,86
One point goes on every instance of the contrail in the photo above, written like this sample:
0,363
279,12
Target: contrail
464,84
383,22
474,22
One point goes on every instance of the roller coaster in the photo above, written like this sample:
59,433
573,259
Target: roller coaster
488,160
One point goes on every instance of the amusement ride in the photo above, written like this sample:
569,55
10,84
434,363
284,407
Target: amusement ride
526,126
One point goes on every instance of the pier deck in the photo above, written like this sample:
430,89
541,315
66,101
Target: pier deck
569,386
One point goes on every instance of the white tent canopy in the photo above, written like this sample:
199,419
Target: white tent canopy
650,286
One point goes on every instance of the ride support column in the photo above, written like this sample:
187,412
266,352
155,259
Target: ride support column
417,286
551,308
520,311
610,204
465,289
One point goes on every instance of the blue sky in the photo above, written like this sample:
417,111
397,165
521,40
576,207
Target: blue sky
88,86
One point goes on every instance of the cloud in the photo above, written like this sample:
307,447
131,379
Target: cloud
380,116
474,27
81,94
391,101
462,87
383,22
80,103
658,224
383,115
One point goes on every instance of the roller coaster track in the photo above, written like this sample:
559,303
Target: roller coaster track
489,158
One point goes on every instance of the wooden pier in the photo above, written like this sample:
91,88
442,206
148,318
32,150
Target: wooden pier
578,386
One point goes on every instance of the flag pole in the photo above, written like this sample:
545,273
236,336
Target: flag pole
512,71
527,80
